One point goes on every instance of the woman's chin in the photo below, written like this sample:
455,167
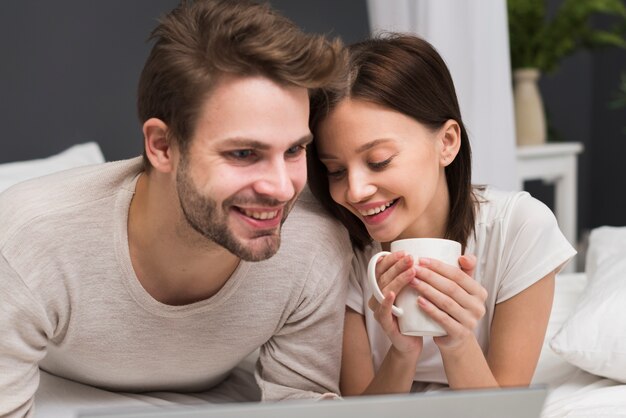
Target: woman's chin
380,236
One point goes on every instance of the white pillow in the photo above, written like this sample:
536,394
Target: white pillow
594,336
604,242
82,154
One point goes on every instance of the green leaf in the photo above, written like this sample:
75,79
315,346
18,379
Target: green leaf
542,42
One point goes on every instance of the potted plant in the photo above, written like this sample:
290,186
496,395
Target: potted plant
539,42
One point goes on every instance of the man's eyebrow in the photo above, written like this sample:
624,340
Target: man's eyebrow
245,143
305,140
254,144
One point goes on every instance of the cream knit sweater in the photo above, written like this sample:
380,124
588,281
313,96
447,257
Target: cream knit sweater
71,304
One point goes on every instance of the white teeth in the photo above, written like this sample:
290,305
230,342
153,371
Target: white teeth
260,215
375,211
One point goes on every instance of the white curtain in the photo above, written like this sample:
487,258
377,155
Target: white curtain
472,37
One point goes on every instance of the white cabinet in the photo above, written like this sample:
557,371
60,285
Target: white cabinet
554,163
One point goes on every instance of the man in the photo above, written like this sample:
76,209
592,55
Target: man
163,274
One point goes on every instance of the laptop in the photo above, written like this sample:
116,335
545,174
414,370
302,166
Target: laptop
483,403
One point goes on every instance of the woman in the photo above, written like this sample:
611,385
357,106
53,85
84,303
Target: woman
392,160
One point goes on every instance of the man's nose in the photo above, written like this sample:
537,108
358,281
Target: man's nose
276,181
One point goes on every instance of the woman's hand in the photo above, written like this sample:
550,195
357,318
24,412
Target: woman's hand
452,298
393,273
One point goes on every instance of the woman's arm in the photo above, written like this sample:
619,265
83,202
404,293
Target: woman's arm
517,332
397,370
357,370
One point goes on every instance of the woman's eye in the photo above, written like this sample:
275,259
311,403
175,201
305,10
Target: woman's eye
380,164
335,174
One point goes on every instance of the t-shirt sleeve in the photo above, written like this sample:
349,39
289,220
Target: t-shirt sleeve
303,359
356,283
23,329
534,246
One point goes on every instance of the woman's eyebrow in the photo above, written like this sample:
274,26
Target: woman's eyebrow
365,147
369,145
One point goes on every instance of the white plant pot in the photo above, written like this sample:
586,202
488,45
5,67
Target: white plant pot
530,120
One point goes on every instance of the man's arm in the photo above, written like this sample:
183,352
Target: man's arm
303,359
23,338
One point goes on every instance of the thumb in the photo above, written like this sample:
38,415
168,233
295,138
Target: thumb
468,264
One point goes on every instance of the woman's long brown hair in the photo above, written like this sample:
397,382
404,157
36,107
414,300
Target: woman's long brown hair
406,74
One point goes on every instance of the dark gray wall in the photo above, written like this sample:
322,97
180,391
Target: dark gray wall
70,68
69,74
576,98
606,183
346,19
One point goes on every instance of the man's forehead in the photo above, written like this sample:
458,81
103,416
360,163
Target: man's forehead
230,81
254,112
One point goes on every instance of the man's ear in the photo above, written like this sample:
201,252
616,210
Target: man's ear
450,142
157,144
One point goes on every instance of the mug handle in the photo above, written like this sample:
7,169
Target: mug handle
371,278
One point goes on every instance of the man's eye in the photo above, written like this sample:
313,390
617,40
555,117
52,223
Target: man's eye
241,154
295,150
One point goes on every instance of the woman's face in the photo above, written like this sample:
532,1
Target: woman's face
387,169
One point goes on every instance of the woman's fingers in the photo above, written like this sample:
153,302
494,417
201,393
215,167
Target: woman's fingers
384,316
394,283
452,292
449,309
394,272
450,279
454,328
389,324
391,266
467,263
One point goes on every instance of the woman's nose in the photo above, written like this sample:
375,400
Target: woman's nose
360,187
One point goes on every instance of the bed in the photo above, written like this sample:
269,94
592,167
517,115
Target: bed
583,360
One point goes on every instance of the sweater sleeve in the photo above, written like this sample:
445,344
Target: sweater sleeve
303,358
23,337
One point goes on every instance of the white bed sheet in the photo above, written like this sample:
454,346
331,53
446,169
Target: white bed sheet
62,398
572,391
58,397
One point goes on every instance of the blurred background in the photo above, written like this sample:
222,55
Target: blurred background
70,69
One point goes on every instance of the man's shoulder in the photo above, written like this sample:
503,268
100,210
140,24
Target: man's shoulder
36,199
309,219
315,251
313,237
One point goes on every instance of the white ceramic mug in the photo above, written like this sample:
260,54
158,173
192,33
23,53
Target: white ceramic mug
411,319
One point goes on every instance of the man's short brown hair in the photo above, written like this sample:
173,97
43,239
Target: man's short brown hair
199,40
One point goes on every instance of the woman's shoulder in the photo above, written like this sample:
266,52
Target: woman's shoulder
496,205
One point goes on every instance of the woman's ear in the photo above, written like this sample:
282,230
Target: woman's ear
157,144
450,137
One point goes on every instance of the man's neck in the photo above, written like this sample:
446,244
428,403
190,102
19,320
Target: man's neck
168,265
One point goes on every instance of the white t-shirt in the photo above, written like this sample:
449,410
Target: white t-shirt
72,305
517,243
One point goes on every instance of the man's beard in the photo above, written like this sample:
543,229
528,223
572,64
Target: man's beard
201,213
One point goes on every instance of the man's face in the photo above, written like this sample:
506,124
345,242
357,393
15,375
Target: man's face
245,164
